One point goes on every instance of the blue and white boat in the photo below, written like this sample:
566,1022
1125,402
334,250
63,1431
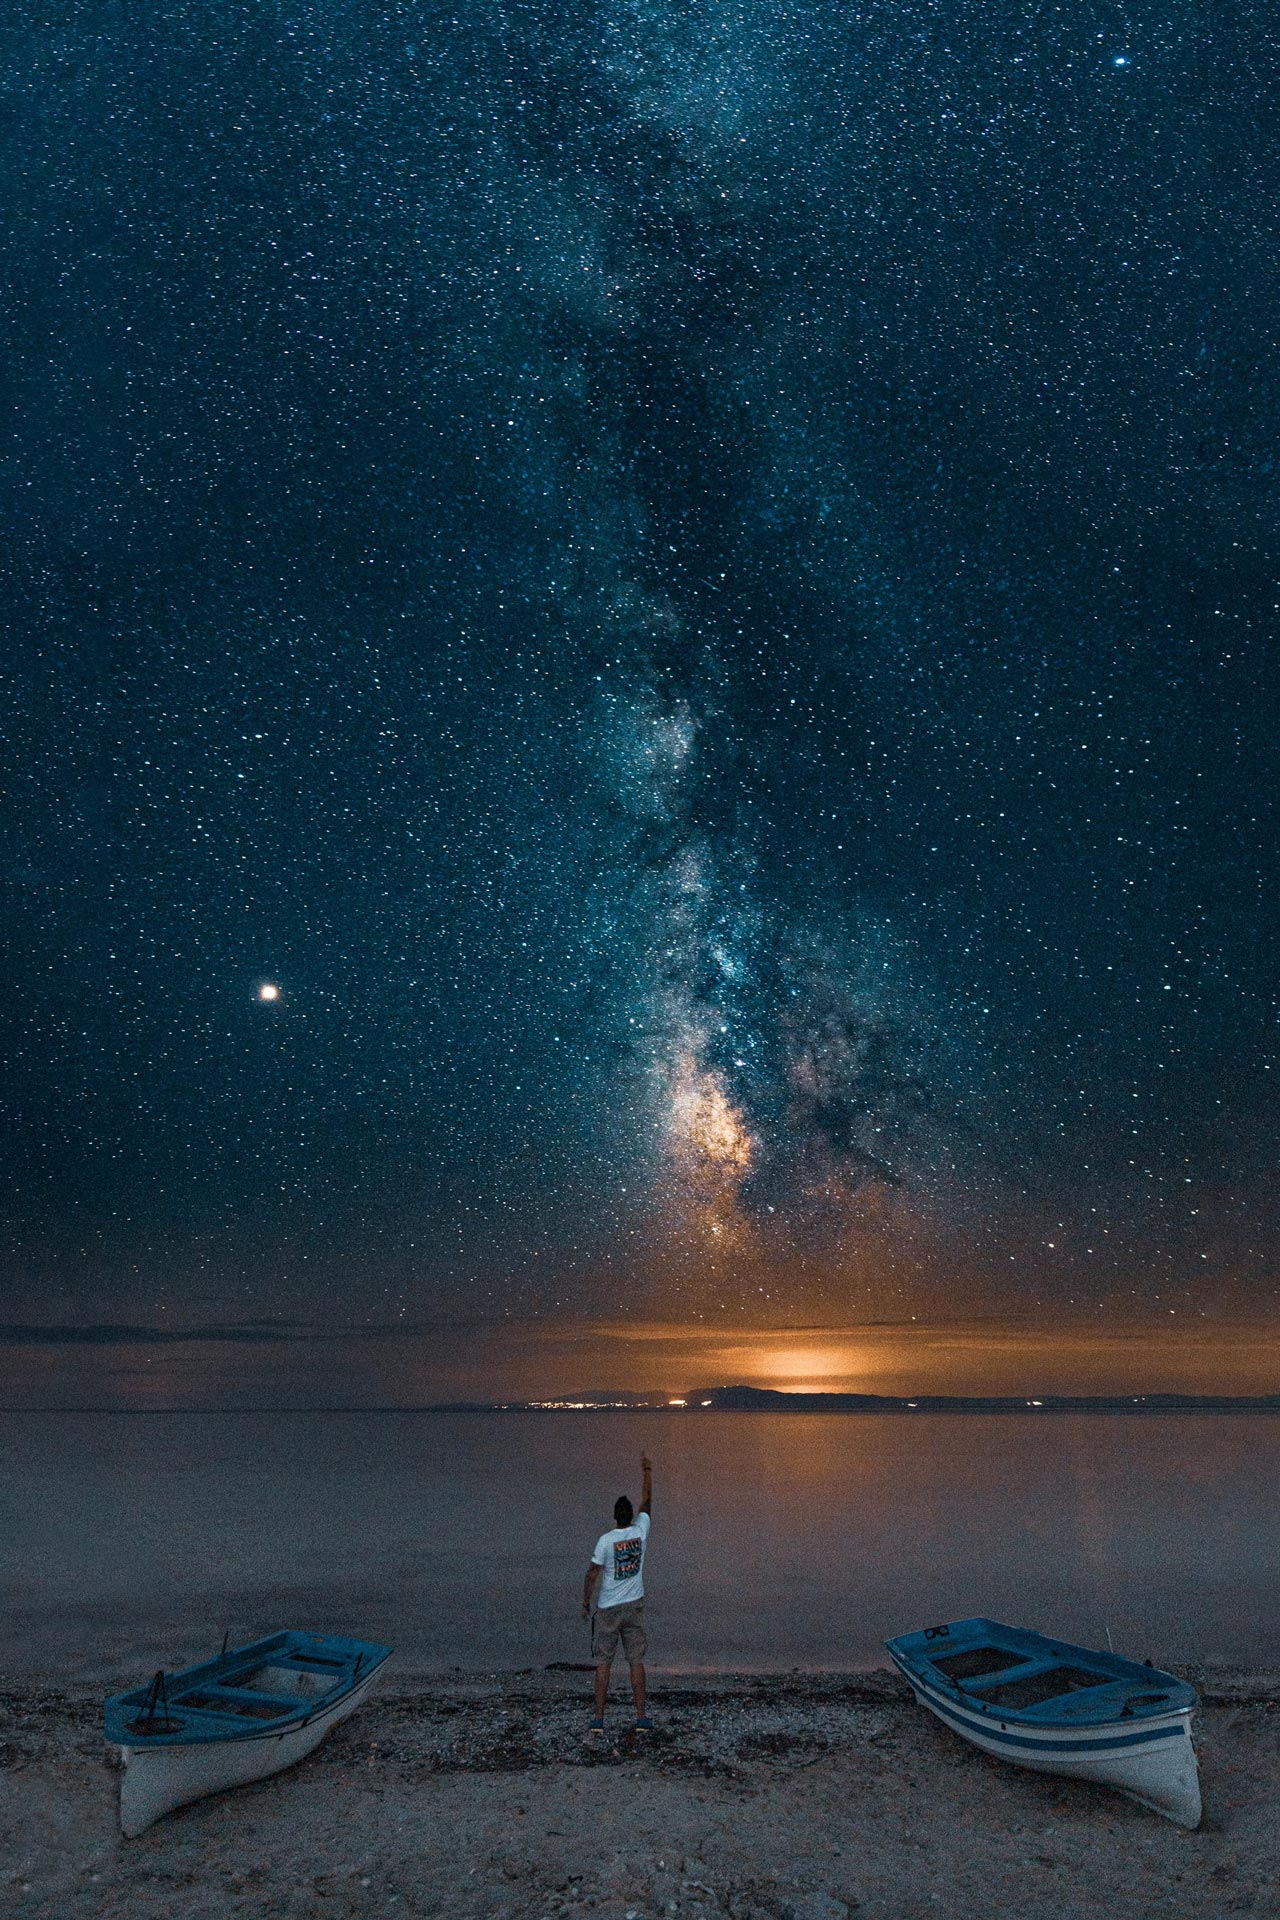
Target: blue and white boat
239,1717
1060,1709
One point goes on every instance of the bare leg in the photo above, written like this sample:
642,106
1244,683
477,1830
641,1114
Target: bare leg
602,1687
637,1688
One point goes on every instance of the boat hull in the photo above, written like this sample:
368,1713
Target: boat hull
158,1778
1153,1763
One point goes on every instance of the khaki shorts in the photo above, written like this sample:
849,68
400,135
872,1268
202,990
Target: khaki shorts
612,1622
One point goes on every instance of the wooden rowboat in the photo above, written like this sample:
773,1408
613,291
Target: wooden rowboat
1060,1709
236,1718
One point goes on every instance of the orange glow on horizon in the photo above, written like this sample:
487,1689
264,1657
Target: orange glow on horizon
833,1369
575,1362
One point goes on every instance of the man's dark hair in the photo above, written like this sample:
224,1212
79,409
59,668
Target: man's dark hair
623,1511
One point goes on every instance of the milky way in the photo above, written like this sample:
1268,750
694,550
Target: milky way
643,662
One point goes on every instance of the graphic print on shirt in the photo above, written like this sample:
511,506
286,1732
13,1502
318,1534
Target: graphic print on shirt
626,1558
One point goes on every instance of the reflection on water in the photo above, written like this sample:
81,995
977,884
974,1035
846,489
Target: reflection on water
778,1540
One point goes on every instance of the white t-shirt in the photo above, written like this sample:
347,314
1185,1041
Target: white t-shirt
621,1553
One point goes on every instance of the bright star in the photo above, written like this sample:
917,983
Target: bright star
268,990
1120,60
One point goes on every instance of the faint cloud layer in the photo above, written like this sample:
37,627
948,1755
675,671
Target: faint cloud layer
143,1369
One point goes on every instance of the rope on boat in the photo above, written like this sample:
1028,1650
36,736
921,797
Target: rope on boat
154,1714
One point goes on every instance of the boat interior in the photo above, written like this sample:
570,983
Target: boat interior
267,1682
249,1705
1016,1682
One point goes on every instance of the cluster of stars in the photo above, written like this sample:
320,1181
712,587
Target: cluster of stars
643,649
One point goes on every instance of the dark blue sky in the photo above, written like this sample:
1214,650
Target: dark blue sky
698,588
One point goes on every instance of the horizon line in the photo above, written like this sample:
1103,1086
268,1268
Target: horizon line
754,1400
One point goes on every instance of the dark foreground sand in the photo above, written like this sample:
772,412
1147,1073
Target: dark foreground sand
760,1798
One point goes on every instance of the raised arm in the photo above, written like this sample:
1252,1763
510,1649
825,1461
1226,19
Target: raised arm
646,1490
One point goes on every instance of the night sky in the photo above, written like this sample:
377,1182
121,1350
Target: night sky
691,589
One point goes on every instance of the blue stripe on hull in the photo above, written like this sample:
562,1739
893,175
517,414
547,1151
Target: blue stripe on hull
1116,1743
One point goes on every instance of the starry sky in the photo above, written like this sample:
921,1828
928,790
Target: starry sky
641,674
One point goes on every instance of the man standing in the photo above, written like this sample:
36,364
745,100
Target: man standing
617,1570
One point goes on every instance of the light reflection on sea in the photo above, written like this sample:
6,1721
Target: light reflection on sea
132,1540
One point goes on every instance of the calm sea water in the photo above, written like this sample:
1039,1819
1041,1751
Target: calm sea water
127,1541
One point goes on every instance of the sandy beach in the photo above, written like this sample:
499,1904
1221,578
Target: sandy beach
796,1797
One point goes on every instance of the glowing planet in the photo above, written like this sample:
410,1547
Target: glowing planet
268,990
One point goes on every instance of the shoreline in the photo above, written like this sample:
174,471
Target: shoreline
761,1796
